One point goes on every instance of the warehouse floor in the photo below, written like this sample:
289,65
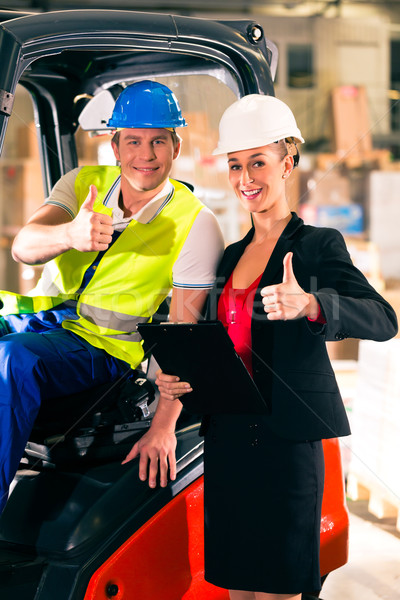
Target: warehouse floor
373,570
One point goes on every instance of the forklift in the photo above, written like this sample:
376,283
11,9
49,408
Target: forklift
78,525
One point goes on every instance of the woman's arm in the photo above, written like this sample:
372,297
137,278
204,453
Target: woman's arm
330,282
351,306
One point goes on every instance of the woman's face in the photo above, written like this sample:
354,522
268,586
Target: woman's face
258,177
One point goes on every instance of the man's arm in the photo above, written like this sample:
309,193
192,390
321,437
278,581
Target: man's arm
195,266
51,232
157,447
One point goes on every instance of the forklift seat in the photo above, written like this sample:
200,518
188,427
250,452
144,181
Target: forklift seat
101,423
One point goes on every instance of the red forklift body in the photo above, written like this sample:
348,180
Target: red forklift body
172,543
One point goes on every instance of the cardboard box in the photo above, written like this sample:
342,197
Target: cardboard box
373,159
21,190
326,188
32,188
27,141
11,194
352,132
343,349
366,257
21,193
351,123
8,270
199,139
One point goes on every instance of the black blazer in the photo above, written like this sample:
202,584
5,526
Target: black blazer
291,366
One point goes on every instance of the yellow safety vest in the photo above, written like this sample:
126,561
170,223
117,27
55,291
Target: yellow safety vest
131,280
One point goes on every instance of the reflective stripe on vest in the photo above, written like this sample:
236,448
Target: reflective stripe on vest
113,320
11,304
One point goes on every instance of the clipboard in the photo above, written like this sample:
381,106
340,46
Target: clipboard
204,355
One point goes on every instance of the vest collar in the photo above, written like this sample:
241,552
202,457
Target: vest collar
147,213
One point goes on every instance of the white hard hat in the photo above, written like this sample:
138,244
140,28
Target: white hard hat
253,121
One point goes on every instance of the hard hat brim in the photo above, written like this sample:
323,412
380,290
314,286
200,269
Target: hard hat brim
114,124
253,143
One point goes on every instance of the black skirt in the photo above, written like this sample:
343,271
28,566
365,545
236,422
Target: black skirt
262,502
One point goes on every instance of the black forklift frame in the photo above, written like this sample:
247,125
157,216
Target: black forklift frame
110,46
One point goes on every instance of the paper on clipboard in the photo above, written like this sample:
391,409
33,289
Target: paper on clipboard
203,355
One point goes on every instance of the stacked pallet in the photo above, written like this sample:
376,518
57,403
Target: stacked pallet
374,467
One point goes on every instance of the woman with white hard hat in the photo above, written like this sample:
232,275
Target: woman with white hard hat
282,291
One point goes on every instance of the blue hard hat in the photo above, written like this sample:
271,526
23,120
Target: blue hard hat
146,104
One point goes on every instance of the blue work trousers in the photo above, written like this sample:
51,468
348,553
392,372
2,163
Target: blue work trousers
39,366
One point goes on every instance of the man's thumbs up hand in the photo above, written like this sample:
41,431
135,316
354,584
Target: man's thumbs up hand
90,199
90,231
287,300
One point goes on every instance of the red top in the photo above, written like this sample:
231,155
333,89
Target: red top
235,308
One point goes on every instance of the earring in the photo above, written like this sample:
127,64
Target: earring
284,176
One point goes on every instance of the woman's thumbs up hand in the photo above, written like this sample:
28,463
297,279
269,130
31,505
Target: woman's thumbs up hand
287,300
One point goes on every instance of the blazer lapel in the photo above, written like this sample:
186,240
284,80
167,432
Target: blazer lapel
228,262
274,270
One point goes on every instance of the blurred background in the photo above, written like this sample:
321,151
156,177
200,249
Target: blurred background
339,71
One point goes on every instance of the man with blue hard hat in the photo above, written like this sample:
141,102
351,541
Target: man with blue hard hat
115,240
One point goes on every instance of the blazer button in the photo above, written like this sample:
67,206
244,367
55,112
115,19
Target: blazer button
254,442
339,336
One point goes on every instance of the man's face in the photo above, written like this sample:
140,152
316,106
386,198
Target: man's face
146,157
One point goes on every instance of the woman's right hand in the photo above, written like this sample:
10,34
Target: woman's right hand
171,387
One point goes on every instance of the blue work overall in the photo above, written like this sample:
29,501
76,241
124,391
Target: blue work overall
40,360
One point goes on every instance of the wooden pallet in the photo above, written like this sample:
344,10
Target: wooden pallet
382,503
